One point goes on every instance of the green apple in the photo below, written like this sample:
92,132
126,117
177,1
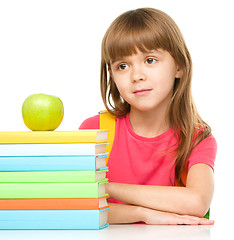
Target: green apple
42,112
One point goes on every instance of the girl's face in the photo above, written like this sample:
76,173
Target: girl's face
146,80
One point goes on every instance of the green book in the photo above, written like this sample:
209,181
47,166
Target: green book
52,190
53,176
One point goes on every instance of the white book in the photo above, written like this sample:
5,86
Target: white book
57,149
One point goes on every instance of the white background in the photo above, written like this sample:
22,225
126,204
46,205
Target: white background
53,47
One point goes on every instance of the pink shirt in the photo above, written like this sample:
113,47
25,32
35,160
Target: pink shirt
139,160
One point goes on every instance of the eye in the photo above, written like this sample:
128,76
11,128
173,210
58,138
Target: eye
122,66
150,60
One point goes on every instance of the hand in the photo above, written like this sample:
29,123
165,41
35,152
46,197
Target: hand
154,217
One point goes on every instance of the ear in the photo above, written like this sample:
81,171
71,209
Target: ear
179,72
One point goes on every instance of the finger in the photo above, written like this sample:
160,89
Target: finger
201,221
205,221
188,221
179,220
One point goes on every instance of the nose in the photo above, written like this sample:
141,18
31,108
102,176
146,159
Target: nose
137,75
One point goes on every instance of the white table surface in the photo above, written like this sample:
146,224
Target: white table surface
137,232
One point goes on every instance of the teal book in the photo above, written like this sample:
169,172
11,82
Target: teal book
52,190
53,177
53,219
52,149
53,163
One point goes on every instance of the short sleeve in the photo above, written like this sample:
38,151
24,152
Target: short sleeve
204,152
91,123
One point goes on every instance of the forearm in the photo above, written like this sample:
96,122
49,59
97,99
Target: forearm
123,213
180,200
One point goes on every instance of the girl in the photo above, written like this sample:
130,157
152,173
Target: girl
146,73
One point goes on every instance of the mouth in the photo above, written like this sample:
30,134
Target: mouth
142,92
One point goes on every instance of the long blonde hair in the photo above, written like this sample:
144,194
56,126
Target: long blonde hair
147,29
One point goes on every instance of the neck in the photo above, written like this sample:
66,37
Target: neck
148,124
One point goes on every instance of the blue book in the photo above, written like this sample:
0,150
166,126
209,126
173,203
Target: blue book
53,219
53,163
54,149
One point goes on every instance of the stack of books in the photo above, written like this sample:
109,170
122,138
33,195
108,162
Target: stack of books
53,180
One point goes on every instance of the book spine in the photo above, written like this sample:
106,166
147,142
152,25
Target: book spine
51,176
50,219
80,136
50,190
49,163
54,204
59,149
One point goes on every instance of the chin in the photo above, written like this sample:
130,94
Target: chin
143,108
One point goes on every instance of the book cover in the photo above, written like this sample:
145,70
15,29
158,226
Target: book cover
53,219
54,203
53,176
52,149
79,136
53,163
52,190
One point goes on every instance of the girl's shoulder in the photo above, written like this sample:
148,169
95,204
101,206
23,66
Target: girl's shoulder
202,130
91,123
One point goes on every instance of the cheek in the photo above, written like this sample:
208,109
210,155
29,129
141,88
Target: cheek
165,84
120,84
121,89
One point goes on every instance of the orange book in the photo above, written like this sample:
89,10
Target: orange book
54,204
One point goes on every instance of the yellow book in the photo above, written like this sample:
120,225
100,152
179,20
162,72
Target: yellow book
79,136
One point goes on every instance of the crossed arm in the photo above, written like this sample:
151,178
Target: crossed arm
164,205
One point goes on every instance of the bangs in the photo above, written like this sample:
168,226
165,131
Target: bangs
128,34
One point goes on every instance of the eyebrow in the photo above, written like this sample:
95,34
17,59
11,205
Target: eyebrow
144,53
116,60
154,51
